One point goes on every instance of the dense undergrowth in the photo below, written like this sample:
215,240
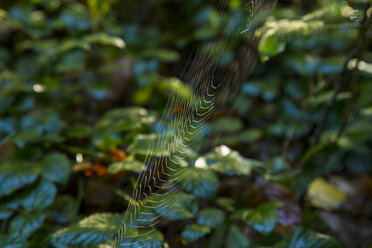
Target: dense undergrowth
286,163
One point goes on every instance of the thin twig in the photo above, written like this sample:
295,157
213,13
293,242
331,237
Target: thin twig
356,52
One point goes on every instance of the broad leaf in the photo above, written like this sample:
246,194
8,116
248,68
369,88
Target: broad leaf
227,161
129,164
55,168
324,195
40,197
26,223
134,238
236,238
174,206
154,145
12,241
14,176
263,218
193,232
200,182
303,238
92,230
63,209
211,217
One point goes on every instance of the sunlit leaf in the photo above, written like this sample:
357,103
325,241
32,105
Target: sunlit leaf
324,195
92,230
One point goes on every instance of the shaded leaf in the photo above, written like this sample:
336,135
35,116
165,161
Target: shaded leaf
14,176
63,208
26,223
40,197
150,238
236,238
56,168
174,206
200,182
193,232
303,238
12,241
211,217
263,218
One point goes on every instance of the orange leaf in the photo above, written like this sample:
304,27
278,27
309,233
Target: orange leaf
117,155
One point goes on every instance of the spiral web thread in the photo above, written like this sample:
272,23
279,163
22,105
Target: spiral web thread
159,176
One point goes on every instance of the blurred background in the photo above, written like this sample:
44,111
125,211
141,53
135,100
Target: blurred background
83,82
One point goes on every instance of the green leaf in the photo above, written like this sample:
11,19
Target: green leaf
263,218
16,175
193,232
134,238
200,182
98,7
226,125
104,39
226,203
174,87
174,206
277,164
303,238
92,230
154,144
12,241
109,130
26,223
277,33
164,55
141,216
270,46
236,238
40,197
129,164
227,161
56,168
63,209
211,217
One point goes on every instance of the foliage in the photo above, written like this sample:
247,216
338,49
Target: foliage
83,85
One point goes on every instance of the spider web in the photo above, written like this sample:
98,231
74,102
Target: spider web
182,125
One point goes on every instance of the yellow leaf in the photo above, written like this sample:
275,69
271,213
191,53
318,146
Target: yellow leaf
324,195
